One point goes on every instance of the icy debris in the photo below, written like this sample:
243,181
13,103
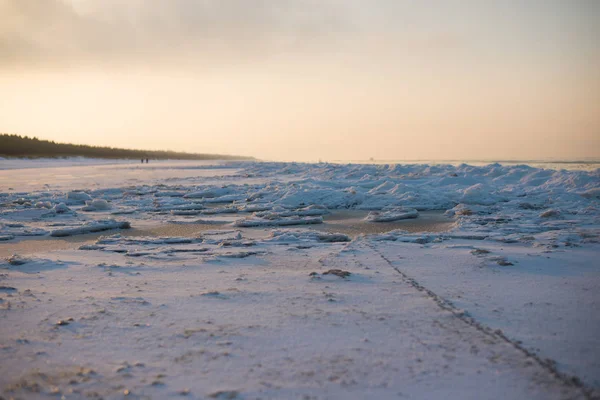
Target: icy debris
209,193
502,261
22,201
169,193
181,207
332,272
43,204
241,254
301,235
61,208
126,211
90,247
225,395
4,238
237,243
16,259
250,208
237,234
145,240
479,252
197,221
337,272
392,215
76,197
400,235
479,194
591,193
185,212
326,196
466,236
230,198
90,227
21,230
220,210
492,201
280,212
96,205
285,221
550,213
529,206
63,322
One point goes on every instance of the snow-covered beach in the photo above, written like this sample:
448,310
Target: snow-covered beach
256,280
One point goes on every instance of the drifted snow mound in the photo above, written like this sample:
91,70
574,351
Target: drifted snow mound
96,205
284,221
90,227
392,215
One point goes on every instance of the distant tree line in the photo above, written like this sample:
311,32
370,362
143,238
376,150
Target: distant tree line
23,146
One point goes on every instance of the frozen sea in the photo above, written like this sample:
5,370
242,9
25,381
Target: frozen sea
248,280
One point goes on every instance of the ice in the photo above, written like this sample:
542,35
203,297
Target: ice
285,236
282,221
91,227
78,197
392,215
61,208
208,193
96,205
279,212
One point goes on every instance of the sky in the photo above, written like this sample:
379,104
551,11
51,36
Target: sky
307,79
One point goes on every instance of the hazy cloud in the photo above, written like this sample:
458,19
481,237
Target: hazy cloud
62,31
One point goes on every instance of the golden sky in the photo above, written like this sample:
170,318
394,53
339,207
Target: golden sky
307,79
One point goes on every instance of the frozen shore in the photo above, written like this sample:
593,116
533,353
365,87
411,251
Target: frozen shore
490,291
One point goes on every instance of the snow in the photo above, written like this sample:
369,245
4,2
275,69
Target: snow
208,278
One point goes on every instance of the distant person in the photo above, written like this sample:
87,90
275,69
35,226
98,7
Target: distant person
146,161
142,160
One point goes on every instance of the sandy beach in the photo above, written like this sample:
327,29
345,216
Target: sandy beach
460,299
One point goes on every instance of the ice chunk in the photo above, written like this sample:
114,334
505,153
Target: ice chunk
78,197
209,193
289,235
285,221
551,213
96,205
90,227
392,215
61,208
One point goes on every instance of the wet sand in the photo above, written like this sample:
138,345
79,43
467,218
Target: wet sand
349,222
